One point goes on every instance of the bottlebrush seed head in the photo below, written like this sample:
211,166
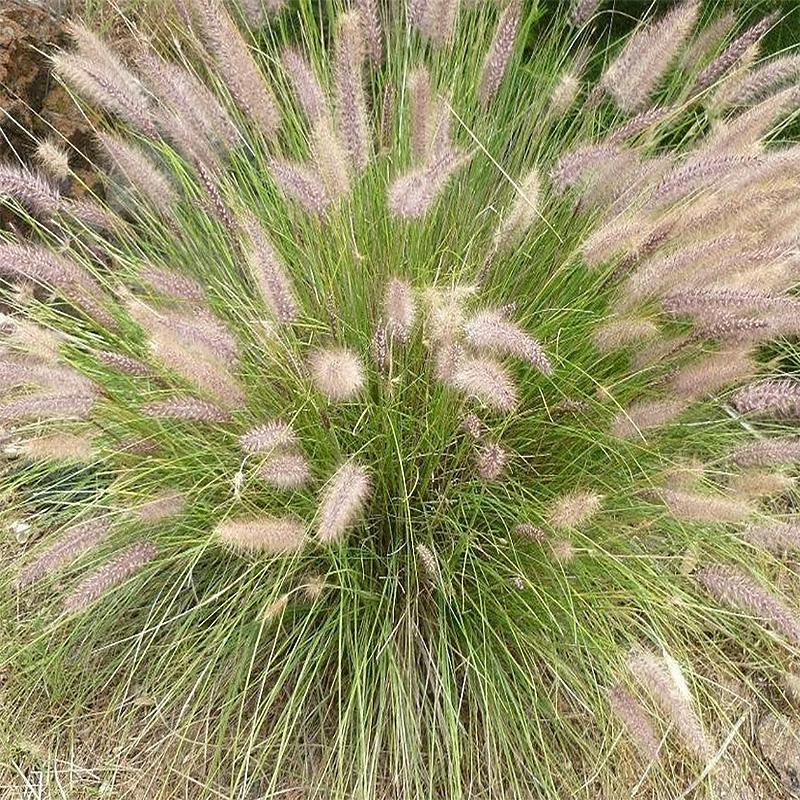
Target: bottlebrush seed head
496,62
53,159
733,587
486,381
342,502
270,436
653,675
492,460
400,309
285,471
337,373
270,535
110,575
575,509
489,331
634,717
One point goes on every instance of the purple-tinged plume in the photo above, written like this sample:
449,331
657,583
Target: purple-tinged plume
237,67
75,541
173,285
653,675
269,273
779,451
351,104
190,409
373,32
723,63
109,575
117,91
496,62
273,535
634,75
413,194
489,331
491,460
632,714
31,189
305,84
775,536
301,183
733,587
47,407
141,173
778,398
581,11
342,501
122,363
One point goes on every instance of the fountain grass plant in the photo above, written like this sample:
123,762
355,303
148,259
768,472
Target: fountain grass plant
405,421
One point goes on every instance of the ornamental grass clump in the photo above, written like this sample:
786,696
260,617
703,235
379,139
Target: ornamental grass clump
415,416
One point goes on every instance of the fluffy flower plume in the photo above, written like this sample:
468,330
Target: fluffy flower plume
400,309
490,331
646,416
768,452
173,284
633,716
111,87
330,158
486,381
75,541
267,437
581,11
53,159
733,587
777,537
575,509
47,407
285,471
189,409
141,173
722,63
236,66
654,676
337,373
57,447
779,398
110,575
707,508
351,105
421,111
713,373
272,535
168,503
619,333
492,460
637,71
31,189
413,194
521,215
496,61
301,183
305,84
429,564
269,273
373,32
342,501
